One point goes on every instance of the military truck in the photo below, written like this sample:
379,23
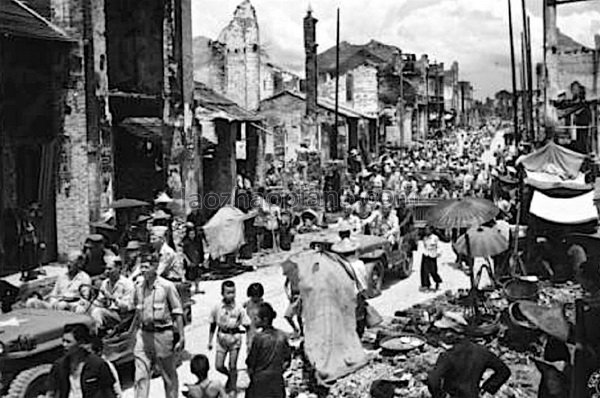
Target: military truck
31,341
381,259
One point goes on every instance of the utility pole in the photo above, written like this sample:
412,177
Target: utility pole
337,84
530,80
401,102
525,72
514,77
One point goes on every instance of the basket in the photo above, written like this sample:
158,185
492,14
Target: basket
518,289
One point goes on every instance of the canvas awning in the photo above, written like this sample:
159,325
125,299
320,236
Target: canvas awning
574,210
554,167
17,19
553,159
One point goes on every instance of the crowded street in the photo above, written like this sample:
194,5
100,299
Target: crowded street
276,199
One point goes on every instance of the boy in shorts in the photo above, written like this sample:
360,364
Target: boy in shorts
227,319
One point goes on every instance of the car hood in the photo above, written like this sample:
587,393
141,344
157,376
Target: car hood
37,324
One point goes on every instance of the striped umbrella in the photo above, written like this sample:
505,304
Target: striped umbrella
462,213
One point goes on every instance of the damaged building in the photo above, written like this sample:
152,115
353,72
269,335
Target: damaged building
569,87
92,83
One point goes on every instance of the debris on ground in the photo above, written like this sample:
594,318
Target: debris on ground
408,370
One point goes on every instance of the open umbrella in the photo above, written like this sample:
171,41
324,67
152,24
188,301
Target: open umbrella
462,213
125,203
484,242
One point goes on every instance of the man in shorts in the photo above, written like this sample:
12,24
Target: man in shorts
227,319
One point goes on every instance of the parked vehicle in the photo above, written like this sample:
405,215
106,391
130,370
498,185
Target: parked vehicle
381,259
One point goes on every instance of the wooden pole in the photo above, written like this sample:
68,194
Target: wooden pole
525,73
337,82
529,80
514,77
524,87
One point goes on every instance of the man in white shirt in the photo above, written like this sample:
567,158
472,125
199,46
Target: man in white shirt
115,296
65,294
169,266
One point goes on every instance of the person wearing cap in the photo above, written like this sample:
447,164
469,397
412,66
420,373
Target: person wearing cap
161,332
161,218
133,252
115,296
168,265
94,251
65,294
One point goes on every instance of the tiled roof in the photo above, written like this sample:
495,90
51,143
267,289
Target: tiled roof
352,55
218,106
566,43
325,104
17,19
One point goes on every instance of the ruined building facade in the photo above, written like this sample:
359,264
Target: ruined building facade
236,66
115,84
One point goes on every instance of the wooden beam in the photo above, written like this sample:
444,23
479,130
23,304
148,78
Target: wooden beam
559,2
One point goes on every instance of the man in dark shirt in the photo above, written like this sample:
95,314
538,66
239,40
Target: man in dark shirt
458,372
79,372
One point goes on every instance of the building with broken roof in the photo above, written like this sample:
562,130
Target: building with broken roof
284,115
568,88
237,66
96,101
232,143
407,95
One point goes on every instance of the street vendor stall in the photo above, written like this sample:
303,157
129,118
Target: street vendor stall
559,201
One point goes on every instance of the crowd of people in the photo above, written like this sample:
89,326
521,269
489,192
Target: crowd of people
142,270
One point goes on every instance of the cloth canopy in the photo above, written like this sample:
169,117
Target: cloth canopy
224,232
553,159
546,181
574,210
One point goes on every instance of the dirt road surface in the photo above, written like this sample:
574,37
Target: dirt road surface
397,296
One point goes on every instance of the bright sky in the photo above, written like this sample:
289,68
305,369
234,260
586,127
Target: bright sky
472,32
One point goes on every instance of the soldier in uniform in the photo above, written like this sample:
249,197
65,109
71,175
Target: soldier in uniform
161,334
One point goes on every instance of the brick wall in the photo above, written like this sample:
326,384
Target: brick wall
577,67
72,198
242,60
365,90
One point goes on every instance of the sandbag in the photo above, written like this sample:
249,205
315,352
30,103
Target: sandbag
224,232
328,298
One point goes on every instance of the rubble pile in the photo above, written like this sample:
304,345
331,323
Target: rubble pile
408,370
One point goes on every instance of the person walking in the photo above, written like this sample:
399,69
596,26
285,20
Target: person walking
255,294
79,373
193,252
226,319
269,356
161,332
429,266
